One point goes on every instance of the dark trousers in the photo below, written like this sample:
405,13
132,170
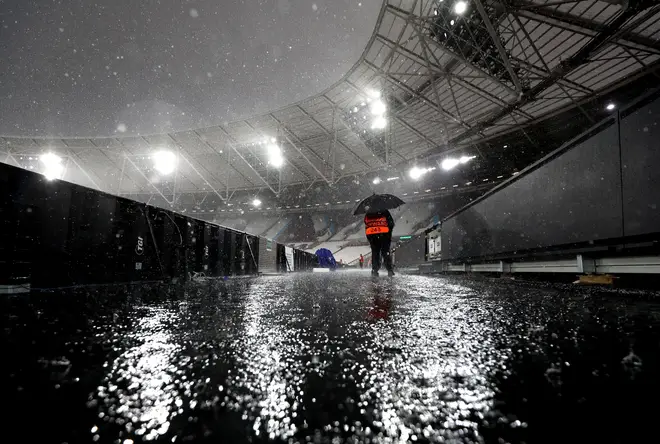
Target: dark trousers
380,248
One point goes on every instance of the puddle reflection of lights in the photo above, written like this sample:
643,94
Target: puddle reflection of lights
148,394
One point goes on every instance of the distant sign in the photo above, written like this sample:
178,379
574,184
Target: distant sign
288,252
269,245
405,237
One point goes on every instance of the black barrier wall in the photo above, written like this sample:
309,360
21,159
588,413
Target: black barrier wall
600,187
58,234
409,253
640,164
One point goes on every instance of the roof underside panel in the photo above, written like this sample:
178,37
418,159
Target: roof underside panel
447,81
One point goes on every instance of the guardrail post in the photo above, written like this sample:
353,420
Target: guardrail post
585,265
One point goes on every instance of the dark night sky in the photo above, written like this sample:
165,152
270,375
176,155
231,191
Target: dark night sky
120,67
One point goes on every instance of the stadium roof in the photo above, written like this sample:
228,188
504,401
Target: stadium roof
451,80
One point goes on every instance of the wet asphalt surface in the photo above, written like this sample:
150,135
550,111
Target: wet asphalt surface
330,358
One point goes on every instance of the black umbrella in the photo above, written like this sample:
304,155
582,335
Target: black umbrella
378,202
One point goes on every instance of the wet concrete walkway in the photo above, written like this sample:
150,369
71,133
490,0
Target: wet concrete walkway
332,358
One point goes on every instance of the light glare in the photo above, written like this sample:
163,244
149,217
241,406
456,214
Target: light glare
379,123
449,164
416,173
460,7
256,202
277,161
53,167
164,162
376,180
373,94
610,106
275,155
378,108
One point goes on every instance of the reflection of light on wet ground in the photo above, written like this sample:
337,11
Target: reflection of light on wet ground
428,366
139,391
339,357
266,389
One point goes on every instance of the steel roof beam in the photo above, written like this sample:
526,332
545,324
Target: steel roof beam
578,59
498,44
231,142
403,14
402,122
327,132
286,136
147,179
180,147
215,150
578,25
347,126
290,132
397,83
289,161
444,72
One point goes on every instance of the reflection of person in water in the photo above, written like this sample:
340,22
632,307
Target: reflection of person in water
381,303
380,307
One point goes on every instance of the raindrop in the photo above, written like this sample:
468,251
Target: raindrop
194,13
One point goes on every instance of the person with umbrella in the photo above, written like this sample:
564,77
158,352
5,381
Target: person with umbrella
378,224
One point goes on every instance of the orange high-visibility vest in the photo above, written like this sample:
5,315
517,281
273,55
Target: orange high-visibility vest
376,225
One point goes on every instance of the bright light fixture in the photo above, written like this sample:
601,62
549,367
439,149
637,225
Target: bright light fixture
449,163
275,155
379,123
376,180
460,7
164,162
373,94
416,173
274,150
466,159
256,202
53,167
378,108
610,106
